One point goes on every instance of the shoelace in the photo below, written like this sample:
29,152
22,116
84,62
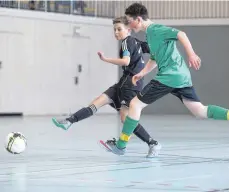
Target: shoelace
113,141
64,121
151,149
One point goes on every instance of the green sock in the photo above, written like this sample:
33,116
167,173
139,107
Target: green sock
216,112
128,129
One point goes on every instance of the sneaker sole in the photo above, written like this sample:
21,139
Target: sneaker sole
103,145
152,156
155,154
57,124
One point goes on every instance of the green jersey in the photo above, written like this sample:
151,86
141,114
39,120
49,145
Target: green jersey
172,69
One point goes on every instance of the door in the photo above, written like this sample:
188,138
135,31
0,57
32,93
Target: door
12,58
77,82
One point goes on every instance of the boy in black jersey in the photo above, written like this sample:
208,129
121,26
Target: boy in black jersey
119,95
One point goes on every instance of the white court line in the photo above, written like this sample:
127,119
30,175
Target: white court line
182,178
94,168
90,180
134,183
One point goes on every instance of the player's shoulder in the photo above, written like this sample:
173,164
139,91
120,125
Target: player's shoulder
128,43
129,40
154,26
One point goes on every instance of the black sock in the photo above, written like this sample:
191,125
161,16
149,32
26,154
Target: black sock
82,114
142,134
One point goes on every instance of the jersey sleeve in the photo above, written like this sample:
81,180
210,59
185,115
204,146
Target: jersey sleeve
126,48
166,32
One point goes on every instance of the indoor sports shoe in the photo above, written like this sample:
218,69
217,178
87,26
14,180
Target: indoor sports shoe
111,145
64,124
104,144
154,150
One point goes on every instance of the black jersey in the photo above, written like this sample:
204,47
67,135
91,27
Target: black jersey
132,48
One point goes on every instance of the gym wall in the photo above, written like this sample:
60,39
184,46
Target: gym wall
49,62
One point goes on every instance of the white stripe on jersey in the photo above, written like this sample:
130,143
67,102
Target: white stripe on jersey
124,46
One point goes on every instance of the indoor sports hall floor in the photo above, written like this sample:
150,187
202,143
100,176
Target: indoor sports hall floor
194,157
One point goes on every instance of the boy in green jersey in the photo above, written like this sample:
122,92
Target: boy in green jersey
173,74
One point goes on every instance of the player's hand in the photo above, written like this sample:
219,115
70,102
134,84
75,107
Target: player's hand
194,61
136,78
101,56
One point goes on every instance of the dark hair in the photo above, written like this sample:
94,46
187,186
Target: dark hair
122,20
137,9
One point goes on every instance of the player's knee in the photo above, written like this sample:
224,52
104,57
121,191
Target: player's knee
122,117
133,103
136,104
101,101
196,108
123,114
200,111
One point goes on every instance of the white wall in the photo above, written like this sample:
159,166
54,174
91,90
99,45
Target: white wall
40,53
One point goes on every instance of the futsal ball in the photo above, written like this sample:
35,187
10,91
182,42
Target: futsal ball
15,143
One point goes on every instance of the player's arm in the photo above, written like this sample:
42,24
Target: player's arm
126,49
182,37
150,65
116,61
193,59
169,33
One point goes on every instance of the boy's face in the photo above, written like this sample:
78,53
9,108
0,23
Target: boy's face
134,24
121,31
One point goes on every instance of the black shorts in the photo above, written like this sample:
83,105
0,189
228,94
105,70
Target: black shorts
122,92
154,90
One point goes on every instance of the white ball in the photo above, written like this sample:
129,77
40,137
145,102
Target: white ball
15,143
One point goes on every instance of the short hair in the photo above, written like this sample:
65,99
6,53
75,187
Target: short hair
137,9
122,20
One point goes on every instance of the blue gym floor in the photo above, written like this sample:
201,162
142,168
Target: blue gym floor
194,157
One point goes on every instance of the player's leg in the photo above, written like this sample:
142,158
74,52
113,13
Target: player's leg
141,133
91,109
196,108
210,111
121,102
105,98
150,93
126,95
83,113
192,102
